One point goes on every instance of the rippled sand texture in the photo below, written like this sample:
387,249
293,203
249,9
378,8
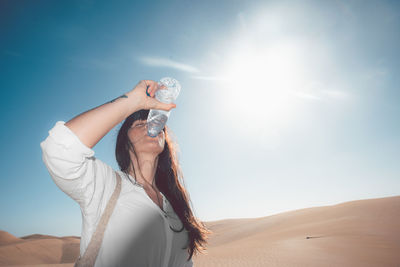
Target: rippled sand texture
357,233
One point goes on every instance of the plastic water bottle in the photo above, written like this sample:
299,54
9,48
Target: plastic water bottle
157,118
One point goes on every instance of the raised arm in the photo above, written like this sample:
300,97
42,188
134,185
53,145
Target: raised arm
92,125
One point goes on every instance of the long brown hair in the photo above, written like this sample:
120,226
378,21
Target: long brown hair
167,180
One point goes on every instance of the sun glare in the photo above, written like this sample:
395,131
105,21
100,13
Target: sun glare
259,83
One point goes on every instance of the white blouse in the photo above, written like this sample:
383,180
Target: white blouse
138,232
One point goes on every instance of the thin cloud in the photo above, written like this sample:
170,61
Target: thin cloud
307,96
318,90
209,78
327,93
163,62
336,94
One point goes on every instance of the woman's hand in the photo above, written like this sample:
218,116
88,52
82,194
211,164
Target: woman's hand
149,102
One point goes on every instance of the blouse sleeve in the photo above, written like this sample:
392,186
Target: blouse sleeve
75,170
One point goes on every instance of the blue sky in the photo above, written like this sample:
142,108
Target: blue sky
284,104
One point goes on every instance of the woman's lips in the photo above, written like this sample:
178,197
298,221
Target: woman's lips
153,138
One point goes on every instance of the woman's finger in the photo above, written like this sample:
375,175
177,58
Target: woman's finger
153,86
148,86
163,106
167,107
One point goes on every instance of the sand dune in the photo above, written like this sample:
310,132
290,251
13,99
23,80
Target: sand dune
7,238
38,249
356,233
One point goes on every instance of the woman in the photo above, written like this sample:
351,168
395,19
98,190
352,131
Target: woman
152,223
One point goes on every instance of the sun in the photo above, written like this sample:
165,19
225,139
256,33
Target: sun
258,85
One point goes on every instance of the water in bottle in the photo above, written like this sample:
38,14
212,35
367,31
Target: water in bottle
157,118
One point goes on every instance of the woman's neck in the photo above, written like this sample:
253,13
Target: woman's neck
144,170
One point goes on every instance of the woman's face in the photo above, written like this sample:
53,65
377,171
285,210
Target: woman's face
142,142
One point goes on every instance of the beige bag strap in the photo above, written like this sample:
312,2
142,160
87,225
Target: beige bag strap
89,257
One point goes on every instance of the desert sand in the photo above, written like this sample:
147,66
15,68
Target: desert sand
356,233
